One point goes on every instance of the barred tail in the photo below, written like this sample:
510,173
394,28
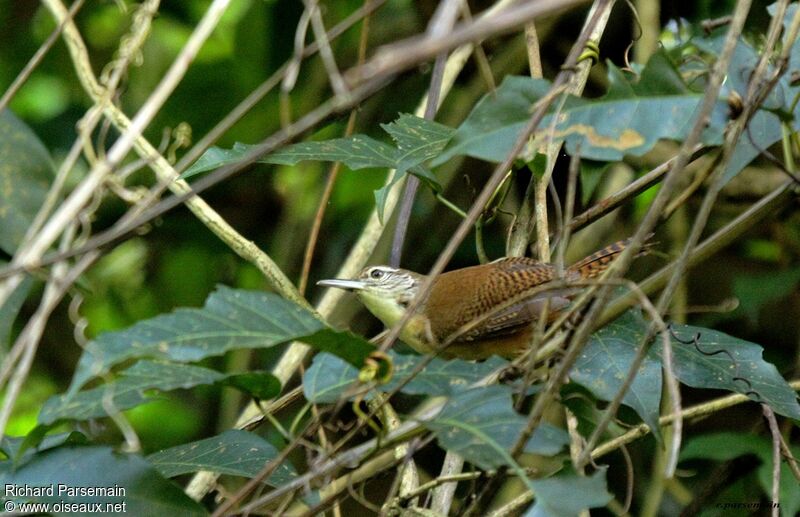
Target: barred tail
594,265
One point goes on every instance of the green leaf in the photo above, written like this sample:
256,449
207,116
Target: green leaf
725,446
481,425
719,372
355,152
495,120
329,377
26,172
126,392
233,452
764,129
146,492
604,363
417,141
628,120
567,494
230,319
216,157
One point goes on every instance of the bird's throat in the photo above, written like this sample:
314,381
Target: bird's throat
415,333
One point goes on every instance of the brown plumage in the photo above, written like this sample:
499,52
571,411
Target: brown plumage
475,311
472,292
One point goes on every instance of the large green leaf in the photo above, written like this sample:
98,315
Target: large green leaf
603,365
698,369
131,390
230,319
628,120
233,452
728,445
567,494
26,172
417,140
329,377
602,368
146,492
481,425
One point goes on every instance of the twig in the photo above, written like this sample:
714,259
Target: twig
621,264
775,432
37,57
441,24
706,408
532,46
337,83
332,173
539,186
632,190
400,56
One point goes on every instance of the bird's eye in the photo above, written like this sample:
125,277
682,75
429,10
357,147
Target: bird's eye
376,273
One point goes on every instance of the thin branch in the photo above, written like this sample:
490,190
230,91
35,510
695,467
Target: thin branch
690,413
37,57
441,24
332,173
775,433
335,78
622,263
533,212
398,57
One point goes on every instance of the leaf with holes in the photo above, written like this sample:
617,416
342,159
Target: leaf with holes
418,140
728,363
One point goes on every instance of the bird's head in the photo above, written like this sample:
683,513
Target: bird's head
385,291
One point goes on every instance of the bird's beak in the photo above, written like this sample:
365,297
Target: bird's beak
350,285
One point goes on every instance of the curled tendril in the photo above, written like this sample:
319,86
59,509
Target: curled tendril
377,367
364,416
590,52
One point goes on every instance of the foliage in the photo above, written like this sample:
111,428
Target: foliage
129,331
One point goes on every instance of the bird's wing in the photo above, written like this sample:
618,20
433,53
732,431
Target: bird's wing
511,319
494,303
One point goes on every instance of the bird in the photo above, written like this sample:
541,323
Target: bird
478,311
